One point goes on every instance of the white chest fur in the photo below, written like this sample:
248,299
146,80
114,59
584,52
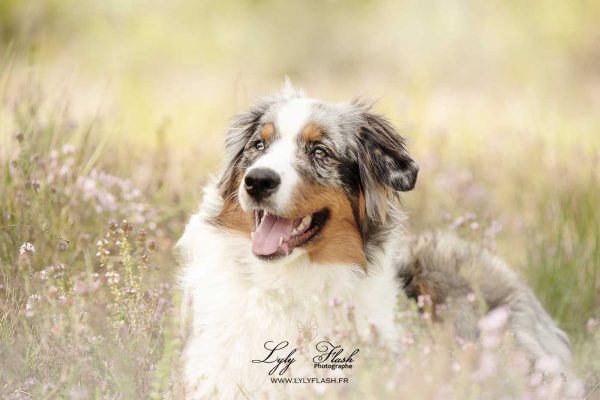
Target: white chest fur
236,303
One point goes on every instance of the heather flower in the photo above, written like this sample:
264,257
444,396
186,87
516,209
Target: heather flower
458,222
64,170
59,271
43,275
407,340
80,289
336,302
548,365
488,364
536,379
113,277
102,248
320,388
493,230
456,367
27,248
494,320
574,389
68,149
491,340
28,310
423,300
61,245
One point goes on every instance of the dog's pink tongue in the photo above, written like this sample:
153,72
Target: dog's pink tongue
266,238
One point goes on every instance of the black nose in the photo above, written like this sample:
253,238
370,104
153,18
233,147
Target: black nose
261,182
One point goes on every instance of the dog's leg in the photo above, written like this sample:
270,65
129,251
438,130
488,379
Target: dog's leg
448,270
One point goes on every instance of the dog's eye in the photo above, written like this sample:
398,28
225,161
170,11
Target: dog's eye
319,152
259,145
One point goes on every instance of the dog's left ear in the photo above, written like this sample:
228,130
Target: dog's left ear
384,156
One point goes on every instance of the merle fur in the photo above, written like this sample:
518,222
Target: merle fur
366,156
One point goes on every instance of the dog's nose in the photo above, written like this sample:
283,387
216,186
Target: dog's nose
260,183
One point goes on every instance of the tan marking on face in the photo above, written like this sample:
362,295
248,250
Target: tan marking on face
339,241
267,132
311,133
232,217
228,187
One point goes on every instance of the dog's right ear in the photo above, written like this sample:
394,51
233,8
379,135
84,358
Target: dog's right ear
243,126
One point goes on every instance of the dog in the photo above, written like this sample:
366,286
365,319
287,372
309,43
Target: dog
305,212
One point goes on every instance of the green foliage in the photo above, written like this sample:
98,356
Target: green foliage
563,261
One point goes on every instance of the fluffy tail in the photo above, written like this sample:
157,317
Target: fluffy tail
447,269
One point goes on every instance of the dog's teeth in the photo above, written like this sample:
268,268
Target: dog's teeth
280,241
306,220
304,224
294,231
252,235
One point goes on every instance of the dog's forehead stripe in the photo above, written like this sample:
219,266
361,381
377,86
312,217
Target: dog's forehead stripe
293,116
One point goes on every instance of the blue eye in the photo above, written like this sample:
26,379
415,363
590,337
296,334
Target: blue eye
259,145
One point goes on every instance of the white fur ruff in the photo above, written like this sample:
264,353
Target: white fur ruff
236,303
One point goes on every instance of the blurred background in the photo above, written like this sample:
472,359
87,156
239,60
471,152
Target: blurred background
499,100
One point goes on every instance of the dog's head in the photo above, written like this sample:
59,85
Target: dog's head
308,176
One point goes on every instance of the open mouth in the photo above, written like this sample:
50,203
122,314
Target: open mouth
276,237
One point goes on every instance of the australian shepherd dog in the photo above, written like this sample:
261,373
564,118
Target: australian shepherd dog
306,212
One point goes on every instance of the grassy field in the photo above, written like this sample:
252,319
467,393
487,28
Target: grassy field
112,116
